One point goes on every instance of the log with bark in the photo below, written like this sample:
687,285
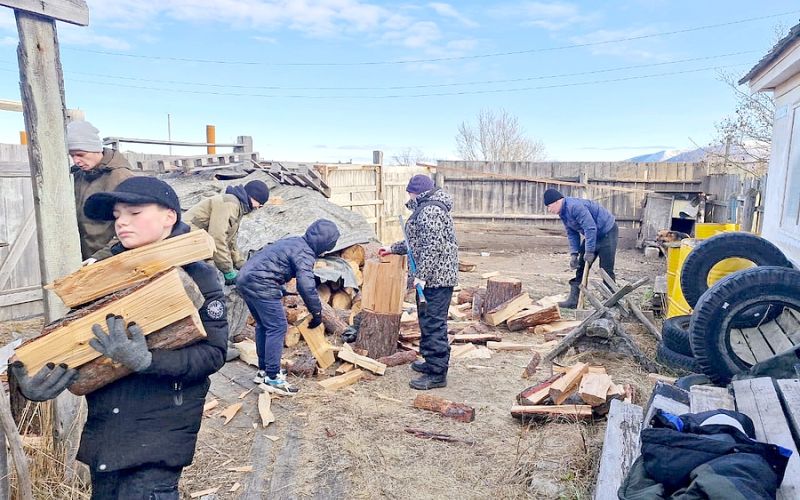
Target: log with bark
557,412
324,292
398,358
499,289
450,409
478,299
535,394
534,316
341,300
378,333
507,309
304,365
355,253
466,267
465,295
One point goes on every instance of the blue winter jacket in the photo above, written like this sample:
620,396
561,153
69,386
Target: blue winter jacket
587,218
265,273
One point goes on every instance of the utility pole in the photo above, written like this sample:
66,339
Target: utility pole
42,92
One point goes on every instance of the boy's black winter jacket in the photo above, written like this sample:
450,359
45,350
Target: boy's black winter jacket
152,417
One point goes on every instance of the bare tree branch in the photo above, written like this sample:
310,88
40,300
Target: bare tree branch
497,136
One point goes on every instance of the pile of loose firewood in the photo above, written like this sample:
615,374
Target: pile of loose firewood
574,392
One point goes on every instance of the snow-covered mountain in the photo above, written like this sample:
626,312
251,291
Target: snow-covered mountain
665,155
735,153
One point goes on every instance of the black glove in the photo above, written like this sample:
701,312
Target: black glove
47,384
131,352
573,261
349,335
589,257
316,320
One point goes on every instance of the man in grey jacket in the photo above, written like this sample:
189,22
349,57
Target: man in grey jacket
432,238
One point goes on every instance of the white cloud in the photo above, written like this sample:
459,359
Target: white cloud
421,34
77,35
551,16
447,10
634,49
265,39
8,41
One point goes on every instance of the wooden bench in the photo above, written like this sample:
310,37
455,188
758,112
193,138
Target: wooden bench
772,405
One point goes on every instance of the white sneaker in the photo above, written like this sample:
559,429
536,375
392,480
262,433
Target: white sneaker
279,385
259,378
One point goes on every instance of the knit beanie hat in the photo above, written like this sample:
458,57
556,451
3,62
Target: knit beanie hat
139,190
257,190
83,136
551,196
419,184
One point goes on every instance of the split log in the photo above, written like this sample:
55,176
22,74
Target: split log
341,300
566,385
478,299
384,285
466,267
556,327
343,314
344,368
472,328
509,346
592,369
458,351
355,253
302,366
334,324
247,352
356,267
535,394
129,268
456,411
398,358
499,290
103,371
378,333
347,354
336,383
355,309
320,348
465,295
152,305
324,292
529,370
533,317
455,314
594,388
295,309
507,309
292,336
551,300
566,412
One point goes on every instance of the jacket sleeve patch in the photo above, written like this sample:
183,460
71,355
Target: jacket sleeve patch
215,309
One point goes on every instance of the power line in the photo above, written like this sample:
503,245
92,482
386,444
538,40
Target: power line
411,87
403,96
437,59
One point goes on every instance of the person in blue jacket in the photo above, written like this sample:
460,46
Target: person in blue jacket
260,282
600,233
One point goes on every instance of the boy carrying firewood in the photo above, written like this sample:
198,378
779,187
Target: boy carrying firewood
141,430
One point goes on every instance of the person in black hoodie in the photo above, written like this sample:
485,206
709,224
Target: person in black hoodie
141,430
261,283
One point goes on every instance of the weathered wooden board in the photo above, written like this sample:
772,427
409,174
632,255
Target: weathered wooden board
620,448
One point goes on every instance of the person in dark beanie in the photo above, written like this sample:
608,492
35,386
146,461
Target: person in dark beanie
600,233
141,430
220,216
260,283
95,169
432,238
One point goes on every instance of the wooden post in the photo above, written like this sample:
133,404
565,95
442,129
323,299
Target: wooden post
211,138
245,150
42,91
23,138
377,160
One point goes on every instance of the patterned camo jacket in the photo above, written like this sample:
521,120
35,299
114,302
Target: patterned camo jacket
432,238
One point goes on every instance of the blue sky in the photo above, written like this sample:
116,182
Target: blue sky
331,80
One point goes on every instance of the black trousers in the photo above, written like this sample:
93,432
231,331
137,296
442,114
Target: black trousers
433,325
606,249
139,483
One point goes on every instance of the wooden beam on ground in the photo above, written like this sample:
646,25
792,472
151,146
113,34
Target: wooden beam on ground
153,305
347,354
570,412
563,387
707,398
336,383
620,448
476,337
446,408
134,266
320,348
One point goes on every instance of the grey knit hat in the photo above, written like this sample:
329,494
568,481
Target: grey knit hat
83,136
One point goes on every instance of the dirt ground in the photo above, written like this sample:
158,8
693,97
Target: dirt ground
352,444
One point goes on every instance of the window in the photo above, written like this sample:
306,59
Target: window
790,220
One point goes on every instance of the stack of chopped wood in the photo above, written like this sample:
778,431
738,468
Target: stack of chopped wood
336,295
575,392
145,286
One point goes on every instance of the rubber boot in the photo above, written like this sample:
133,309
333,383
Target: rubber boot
572,300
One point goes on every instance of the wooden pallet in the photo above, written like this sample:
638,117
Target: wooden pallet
754,345
295,174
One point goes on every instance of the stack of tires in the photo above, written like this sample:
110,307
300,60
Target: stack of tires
700,342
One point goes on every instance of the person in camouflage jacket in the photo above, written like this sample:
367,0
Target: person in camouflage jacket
432,239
